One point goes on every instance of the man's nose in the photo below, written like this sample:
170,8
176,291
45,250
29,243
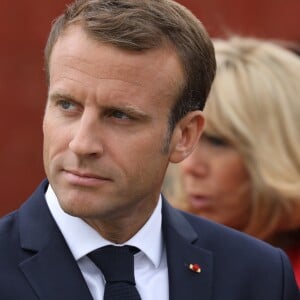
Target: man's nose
86,138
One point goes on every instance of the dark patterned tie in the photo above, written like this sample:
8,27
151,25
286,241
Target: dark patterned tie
117,266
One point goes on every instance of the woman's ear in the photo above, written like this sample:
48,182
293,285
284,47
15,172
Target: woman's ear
186,135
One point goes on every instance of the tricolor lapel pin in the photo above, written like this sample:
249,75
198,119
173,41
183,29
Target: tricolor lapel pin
194,268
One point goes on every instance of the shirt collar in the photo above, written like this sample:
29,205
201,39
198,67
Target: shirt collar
83,239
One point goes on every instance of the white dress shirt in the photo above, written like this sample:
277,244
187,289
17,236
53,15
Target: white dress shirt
150,264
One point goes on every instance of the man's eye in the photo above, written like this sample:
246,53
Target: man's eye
66,105
119,115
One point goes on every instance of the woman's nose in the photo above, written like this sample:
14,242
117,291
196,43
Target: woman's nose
197,163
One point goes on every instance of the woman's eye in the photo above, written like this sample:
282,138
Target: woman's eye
215,140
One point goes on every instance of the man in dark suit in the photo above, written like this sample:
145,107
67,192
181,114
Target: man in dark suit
127,82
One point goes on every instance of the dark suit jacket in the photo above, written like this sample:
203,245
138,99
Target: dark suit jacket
35,262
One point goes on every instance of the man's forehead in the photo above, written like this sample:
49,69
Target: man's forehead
75,50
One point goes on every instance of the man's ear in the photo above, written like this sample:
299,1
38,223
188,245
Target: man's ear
186,135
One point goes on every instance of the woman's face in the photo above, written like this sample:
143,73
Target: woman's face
217,183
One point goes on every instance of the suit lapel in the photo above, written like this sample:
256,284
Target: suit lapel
182,251
53,273
48,264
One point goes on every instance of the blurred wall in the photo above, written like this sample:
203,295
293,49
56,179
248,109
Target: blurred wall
24,26
275,19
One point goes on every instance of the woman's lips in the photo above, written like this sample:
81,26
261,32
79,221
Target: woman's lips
199,202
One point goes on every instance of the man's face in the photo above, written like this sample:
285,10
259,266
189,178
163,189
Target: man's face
105,125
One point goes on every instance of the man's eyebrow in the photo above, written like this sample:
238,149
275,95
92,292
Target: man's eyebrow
125,108
60,95
128,109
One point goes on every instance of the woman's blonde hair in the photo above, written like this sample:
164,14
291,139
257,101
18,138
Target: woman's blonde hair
254,104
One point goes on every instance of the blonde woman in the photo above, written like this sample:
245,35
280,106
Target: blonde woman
245,170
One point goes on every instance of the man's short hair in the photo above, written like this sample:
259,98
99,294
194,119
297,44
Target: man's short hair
138,25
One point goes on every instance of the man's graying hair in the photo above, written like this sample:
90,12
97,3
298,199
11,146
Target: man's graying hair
138,25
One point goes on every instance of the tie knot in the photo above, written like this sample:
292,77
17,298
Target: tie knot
116,263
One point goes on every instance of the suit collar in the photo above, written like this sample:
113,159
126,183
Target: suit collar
48,260
83,239
184,248
36,223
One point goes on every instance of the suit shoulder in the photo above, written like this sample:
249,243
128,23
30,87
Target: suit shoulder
224,239
8,223
9,229
242,252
